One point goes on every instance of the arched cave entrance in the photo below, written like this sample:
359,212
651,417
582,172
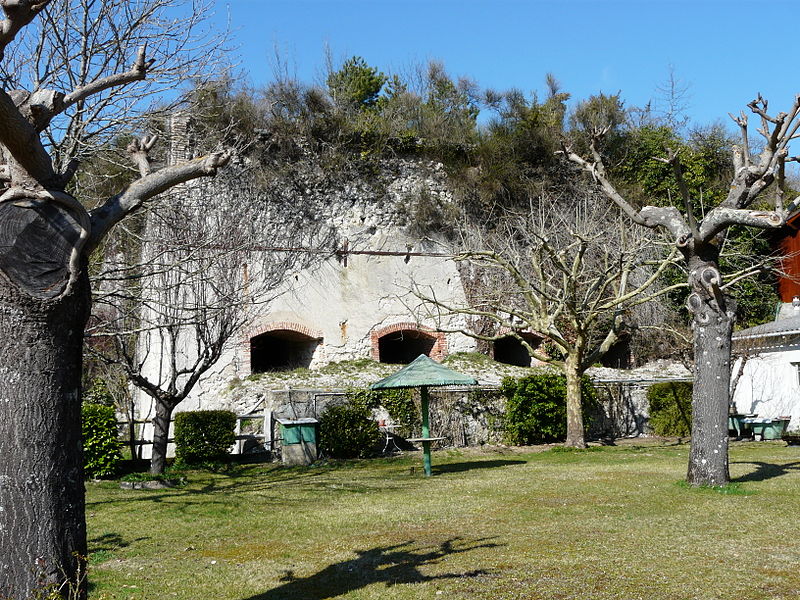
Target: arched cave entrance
619,356
281,350
510,351
402,347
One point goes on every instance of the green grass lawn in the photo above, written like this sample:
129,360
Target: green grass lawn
612,522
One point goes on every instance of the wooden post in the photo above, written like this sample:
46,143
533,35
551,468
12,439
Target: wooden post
268,430
426,432
237,432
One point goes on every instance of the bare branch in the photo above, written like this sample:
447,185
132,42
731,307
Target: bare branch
136,73
18,14
21,140
650,216
94,53
741,158
139,151
118,207
674,161
720,218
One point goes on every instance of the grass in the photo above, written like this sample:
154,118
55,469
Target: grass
615,522
359,369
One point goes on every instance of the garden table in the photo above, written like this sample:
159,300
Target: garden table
424,373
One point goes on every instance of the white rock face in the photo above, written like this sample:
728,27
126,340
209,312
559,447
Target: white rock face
343,302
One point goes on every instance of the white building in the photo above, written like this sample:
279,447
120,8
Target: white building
769,385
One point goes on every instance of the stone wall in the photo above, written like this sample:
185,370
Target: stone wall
464,417
474,416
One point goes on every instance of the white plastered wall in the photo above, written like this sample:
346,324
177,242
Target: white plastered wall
769,385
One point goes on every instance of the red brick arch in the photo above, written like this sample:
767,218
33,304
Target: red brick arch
314,334
438,352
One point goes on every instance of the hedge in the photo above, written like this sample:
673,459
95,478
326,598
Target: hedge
204,436
536,407
101,447
348,430
671,408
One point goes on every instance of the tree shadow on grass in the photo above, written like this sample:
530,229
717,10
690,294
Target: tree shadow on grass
469,466
764,471
109,542
266,481
390,565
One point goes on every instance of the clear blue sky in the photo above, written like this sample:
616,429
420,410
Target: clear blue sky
726,50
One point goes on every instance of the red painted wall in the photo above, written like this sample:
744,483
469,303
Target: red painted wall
790,248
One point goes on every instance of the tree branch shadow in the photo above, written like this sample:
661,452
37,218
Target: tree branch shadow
390,565
764,471
469,466
108,542
237,484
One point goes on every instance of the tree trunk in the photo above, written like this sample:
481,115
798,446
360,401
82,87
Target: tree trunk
42,524
161,420
576,437
713,325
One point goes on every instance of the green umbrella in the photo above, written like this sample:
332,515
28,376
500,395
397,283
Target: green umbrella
424,373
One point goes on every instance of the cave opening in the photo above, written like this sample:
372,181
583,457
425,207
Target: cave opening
510,351
281,350
402,347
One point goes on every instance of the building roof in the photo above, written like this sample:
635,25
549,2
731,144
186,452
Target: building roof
780,327
780,333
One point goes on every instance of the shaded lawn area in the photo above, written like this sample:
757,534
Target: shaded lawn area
612,522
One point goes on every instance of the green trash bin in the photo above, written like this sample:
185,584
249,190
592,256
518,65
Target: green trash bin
768,429
298,441
775,429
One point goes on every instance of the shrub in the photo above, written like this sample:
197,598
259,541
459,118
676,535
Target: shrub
101,447
98,393
399,403
536,407
203,436
348,430
671,408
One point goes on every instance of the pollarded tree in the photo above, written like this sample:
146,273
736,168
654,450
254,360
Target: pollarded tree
700,241
78,88
566,271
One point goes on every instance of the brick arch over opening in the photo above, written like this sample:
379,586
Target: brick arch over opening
314,334
292,345
438,347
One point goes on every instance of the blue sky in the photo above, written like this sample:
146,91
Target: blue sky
725,50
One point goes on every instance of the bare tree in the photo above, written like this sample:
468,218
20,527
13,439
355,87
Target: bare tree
700,240
172,308
108,64
566,271
75,78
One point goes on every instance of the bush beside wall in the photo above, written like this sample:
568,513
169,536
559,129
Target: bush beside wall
536,407
204,436
348,430
671,408
101,447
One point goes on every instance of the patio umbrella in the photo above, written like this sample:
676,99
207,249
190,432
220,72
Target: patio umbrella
424,373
